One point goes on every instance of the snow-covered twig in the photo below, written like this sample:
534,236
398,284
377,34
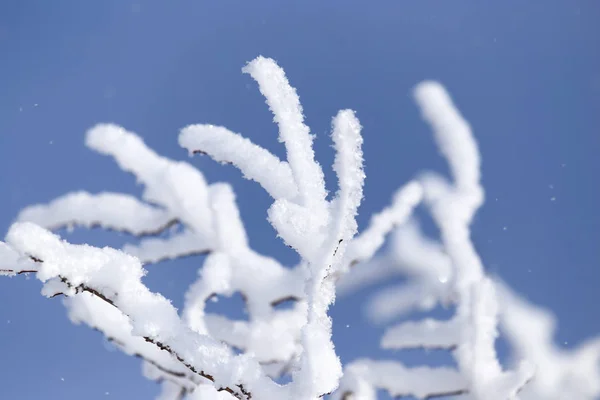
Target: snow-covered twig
317,229
452,271
193,354
115,278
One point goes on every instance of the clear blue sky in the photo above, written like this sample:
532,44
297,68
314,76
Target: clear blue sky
525,74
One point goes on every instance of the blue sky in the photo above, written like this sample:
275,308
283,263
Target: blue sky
525,74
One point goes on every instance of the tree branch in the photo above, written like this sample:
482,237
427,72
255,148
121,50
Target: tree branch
238,391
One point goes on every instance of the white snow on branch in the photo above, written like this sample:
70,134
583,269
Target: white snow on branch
299,227
228,227
255,162
270,335
208,392
116,326
453,136
192,355
12,263
428,333
365,245
227,232
153,250
450,271
116,211
399,299
272,339
116,278
318,230
428,268
232,267
362,377
109,269
453,208
176,186
320,368
169,390
348,166
285,105
559,373
417,255
365,274
411,255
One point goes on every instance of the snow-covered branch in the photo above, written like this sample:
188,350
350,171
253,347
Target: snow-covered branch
196,354
472,332
255,162
115,278
115,211
12,263
303,218
363,376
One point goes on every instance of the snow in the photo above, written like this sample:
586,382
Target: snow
428,333
365,245
116,211
295,135
153,250
191,352
450,271
176,186
559,373
348,165
421,382
115,277
255,162
13,263
453,207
